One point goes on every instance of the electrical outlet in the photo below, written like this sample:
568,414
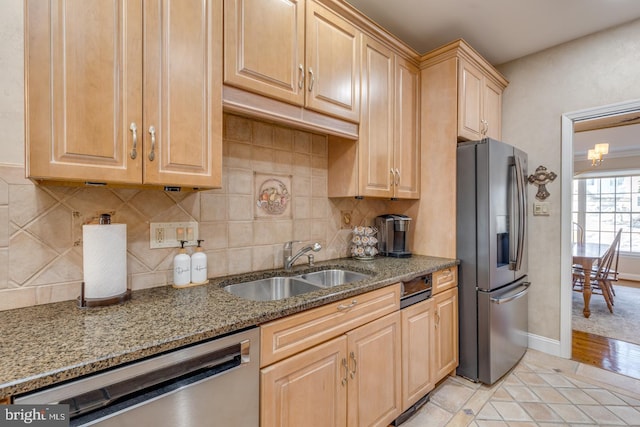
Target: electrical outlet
169,234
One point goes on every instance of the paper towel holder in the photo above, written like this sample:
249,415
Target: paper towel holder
102,302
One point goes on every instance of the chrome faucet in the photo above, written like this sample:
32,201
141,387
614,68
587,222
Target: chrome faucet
288,259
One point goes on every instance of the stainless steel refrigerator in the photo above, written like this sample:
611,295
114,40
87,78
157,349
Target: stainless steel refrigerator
492,248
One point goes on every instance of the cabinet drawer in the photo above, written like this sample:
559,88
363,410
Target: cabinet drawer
445,279
289,335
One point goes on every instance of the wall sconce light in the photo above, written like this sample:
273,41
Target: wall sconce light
597,152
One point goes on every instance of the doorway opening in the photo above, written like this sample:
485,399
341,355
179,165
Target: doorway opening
610,115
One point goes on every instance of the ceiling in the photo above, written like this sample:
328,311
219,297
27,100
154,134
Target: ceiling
500,30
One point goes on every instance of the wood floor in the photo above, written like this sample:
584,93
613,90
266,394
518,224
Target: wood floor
606,353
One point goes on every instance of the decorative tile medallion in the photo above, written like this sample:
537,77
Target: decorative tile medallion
272,195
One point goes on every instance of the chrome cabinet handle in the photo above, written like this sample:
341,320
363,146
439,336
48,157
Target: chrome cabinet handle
134,149
343,307
352,373
313,79
397,177
485,126
437,319
346,371
301,82
152,154
393,177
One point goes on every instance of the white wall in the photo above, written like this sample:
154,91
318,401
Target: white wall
600,69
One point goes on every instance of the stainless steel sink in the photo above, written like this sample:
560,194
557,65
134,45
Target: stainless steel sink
332,277
271,289
280,287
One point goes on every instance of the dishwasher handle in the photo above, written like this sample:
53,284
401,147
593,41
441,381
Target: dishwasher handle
183,373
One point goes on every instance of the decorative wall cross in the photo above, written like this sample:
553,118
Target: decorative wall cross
541,178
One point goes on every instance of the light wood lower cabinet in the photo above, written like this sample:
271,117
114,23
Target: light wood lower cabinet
352,380
307,389
445,355
417,352
335,365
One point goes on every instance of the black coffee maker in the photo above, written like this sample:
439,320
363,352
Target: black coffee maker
393,235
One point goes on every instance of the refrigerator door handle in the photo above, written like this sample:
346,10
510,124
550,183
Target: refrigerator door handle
517,216
522,212
510,298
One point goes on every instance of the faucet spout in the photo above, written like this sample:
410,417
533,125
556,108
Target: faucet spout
290,259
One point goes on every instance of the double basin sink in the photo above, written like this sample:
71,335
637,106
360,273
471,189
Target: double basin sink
279,287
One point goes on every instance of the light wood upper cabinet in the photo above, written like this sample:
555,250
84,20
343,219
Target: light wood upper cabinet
375,149
407,130
295,51
111,100
479,104
388,149
445,357
264,47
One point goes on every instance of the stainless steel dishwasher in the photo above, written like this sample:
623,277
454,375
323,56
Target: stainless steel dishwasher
215,383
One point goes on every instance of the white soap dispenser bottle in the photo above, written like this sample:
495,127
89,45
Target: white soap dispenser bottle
182,267
199,265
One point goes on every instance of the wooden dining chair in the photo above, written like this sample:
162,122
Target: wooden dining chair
601,276
577,233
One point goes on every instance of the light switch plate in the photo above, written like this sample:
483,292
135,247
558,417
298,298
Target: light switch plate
169,234
541,209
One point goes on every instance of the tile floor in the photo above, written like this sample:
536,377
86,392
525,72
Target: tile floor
541,390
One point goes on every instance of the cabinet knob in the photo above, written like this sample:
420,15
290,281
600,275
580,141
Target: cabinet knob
134,149
152,153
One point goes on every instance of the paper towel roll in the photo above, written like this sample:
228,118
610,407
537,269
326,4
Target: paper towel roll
104,259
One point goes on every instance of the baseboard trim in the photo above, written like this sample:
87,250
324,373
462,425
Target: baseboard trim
545,345
627,276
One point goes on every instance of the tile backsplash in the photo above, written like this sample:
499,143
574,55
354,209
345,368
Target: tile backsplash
41,226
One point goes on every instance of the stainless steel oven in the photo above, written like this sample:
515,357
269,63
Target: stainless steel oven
215,383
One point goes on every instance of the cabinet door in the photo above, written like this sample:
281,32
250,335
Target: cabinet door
182,129
83,89
264,47
308,389
470,88
333,64
376,127
446,334
492,109
374,393
417,350
407,141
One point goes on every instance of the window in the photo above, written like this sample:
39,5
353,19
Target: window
602,206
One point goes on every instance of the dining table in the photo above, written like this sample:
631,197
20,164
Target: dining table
586,254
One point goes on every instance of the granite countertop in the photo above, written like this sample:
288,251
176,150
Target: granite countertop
50,343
